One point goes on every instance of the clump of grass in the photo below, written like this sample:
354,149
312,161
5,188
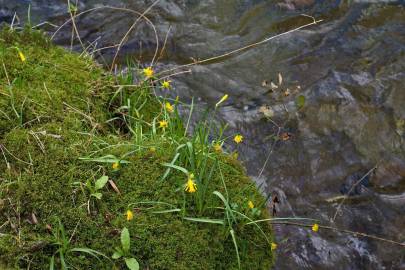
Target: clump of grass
64,123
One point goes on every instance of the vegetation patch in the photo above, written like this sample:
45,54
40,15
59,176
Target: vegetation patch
96,174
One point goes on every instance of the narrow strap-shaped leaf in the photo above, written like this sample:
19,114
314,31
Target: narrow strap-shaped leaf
168,169
206,220
184,170
236,245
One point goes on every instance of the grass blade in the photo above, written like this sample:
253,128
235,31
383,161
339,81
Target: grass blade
90,251
236,245
184,170
167,211
206,220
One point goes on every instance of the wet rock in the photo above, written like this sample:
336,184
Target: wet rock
295,4
6,16
390,175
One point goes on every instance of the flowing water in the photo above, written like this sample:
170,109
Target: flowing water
351,70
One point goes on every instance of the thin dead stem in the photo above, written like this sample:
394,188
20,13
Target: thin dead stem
152,82
197,62
5,71
75,29
112,8
2,147
343,231
130,30
164,44
271,150
351,189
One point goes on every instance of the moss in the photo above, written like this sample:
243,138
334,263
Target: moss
42,174
49,86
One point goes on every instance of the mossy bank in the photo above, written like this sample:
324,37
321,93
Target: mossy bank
64,124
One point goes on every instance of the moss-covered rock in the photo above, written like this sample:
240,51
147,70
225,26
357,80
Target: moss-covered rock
53,111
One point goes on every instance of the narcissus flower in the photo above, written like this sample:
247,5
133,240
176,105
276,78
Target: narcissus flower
190,186
22,56
163,124
166,84
130,215
169,107
238,138
251,205
115,165
225,97
273,246
315,227
148,72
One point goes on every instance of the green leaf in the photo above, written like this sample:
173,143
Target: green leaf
72,8
300,102
105,159
206,220
88,184
168,169
184,170
236,246
228,209
90,252
98,195
52,263
125,240
100,183
132,263
62,261
166,211
116,255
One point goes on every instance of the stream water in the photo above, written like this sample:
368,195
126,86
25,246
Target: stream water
351,70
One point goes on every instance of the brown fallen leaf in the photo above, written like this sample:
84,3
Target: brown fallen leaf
33,219
267,111
273,86
285,136
114,186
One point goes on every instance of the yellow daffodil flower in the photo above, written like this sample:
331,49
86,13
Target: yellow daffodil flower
22,56
238,138
166,84
115,165
315,227
163,124
148,72
190,186
169,107
130,215
273,246
251,205
225,97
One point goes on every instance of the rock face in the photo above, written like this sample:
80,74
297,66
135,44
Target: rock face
296,4
350,69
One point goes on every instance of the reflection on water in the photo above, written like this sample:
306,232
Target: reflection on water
350,68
